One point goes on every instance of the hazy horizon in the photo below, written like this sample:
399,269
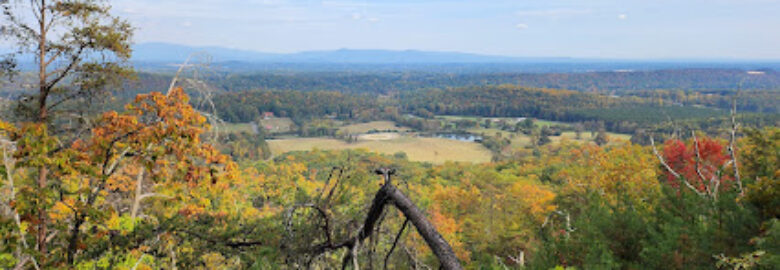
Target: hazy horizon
602,29
561,57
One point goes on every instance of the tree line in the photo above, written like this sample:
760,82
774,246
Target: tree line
416,109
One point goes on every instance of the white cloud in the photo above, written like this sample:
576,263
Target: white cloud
521,26
186,24
622,16
373,19
357,16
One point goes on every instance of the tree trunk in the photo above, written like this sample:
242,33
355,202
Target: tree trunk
42,117
74,238
42,84
389,194
433,238
139,183
42,171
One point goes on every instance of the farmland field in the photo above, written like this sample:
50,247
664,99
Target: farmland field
433,150
366,127
425,149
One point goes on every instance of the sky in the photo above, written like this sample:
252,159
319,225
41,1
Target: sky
614,29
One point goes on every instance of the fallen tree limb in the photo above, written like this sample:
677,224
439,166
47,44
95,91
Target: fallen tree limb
433,238
389,194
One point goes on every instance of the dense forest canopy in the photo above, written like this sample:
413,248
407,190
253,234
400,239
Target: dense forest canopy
618,114
706,87
690,87
605,82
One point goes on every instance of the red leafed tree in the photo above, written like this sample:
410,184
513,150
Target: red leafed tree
700,162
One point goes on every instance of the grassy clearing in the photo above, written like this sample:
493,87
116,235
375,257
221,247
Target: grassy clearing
277,124
236,128
545,123
585,137
379,136
366,127
434,150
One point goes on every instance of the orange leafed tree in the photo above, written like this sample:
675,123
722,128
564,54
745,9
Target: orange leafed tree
152,150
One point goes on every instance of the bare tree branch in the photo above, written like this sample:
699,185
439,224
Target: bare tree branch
138,262
698,164
395,242
138,191
389,194
670,170
732,144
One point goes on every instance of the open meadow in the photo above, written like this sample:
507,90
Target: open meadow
424,149
433,150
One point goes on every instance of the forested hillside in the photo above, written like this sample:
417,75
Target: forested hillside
605,82
711,87
300,106
618,114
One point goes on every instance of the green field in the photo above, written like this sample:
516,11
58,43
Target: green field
366,127
236,128
585,137
433,150
545,123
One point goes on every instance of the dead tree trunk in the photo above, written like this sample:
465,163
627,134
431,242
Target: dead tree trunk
435,241
389,194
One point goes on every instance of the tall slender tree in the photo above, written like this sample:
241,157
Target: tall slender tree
79,49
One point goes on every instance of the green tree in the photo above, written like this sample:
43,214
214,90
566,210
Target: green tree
543,139
760,157
601,137
70,41
78,46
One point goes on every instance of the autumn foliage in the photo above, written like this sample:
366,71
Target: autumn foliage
697,168
141,189
100,177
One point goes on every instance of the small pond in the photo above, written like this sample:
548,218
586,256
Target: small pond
464,137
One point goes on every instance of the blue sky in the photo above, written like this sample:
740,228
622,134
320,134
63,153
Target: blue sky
629,29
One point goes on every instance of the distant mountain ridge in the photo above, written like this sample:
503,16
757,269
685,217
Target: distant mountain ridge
164,52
